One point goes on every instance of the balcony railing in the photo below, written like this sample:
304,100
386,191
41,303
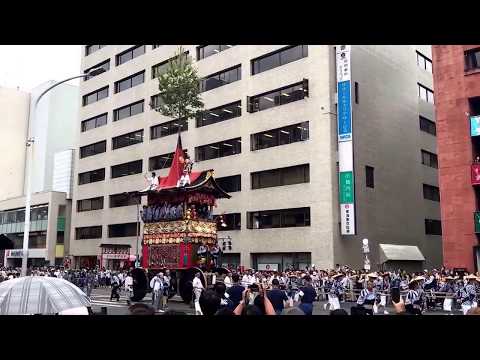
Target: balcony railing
476,174
476,220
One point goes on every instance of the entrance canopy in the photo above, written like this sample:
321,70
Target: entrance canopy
390,252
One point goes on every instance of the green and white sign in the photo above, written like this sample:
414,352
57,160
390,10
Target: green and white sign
346,187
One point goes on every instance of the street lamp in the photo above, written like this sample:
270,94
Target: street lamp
29,144
137,259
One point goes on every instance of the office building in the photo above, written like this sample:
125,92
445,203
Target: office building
303,193
456,78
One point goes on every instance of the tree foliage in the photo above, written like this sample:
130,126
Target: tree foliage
179,88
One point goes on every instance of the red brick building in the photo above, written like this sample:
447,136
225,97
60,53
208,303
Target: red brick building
456,72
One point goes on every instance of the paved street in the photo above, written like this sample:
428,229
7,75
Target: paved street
101,298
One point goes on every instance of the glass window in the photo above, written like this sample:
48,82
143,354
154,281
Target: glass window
230,183
89,49
425,94
122,230
130,54
95,96
94,122
162,67
160,162
130,168
278,58
424,62
118,200
128,110
369,176
90,204
472,59
168,128
433,227
89,232
428,126
278,218
221,78
429,159
278,97
282,176
431,192
129,82
209,50
129,139
91,176
218,114
93,149
104,65
217,150
232,222
281,136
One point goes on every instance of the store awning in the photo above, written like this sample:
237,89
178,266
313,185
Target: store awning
390,252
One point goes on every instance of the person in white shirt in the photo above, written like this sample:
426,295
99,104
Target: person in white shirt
129,286
157,295
197,291
227,281
245,280
152,182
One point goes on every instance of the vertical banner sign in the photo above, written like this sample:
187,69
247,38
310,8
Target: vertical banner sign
345,141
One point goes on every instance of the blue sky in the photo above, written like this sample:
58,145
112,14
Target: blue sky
27,66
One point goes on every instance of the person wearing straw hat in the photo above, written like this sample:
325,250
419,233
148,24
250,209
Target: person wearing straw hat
468,295
334,290
448,287
368,297
413,300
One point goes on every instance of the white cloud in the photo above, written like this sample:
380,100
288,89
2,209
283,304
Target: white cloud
27,66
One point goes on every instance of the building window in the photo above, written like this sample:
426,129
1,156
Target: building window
433,227
129,82
230,183
93,149
130,54
220,113
278,97
95,96
122,230
160,161
135,137
168,128
209,50
218,150
428,126
118,200
279,177
278,218
472,59
91,176
162,67
280,136
155,46
90,204
431,192
104,65
88,232
356,93
128,110
232,222
425,94
155,101
429,159
130,168
370,176
221,78
94,122
278,58
89,49
424,62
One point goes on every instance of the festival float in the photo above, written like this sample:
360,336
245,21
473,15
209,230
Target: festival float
180,230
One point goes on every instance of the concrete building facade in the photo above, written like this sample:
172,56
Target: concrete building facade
457,74
52,129
285,209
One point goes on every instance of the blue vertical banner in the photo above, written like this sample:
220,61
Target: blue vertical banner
344,109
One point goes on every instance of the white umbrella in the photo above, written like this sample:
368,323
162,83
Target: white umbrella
40,295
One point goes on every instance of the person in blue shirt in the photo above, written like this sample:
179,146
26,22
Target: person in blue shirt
307,296
277,297
235,292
